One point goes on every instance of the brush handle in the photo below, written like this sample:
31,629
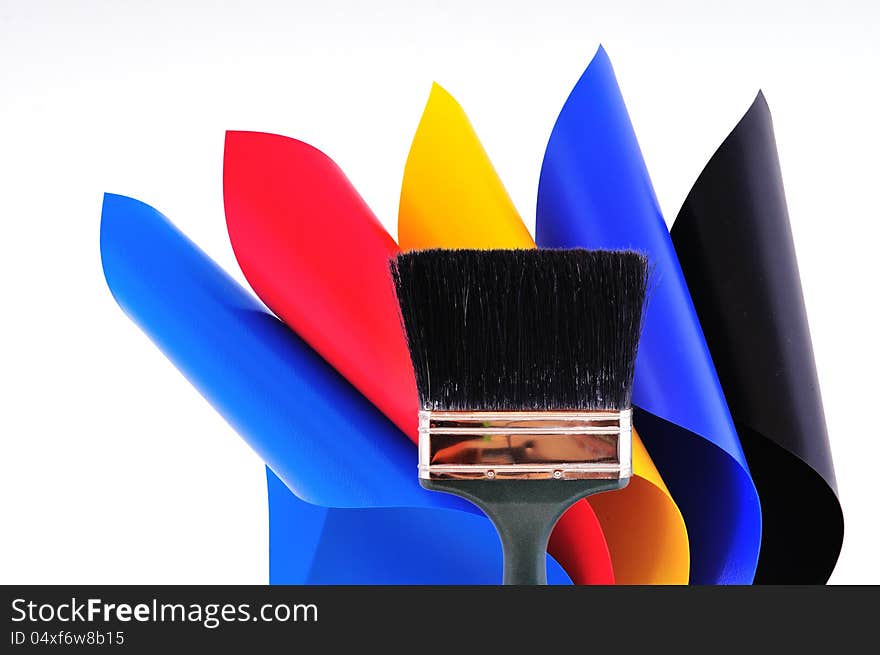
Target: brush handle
524,513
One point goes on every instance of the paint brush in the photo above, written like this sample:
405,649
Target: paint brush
524,365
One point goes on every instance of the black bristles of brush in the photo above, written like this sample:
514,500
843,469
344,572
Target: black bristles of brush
535,329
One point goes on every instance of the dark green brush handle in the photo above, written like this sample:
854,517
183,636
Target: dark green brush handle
524,513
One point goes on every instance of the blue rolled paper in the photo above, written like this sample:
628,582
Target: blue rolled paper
345,503
309,544
595,192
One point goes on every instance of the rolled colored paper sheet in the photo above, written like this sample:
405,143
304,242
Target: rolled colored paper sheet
311,427
313,251
309,544
595,192
451,197
318,257
734,243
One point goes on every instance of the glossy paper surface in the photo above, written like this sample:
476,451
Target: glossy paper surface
318,257
315,431
595,192
451,197
734,243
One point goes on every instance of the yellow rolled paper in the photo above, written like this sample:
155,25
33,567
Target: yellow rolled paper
452,197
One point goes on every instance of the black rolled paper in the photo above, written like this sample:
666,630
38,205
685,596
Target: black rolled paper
733,239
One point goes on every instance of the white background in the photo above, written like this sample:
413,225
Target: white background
113,469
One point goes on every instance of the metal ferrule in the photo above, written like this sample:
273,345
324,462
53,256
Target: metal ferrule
564,445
